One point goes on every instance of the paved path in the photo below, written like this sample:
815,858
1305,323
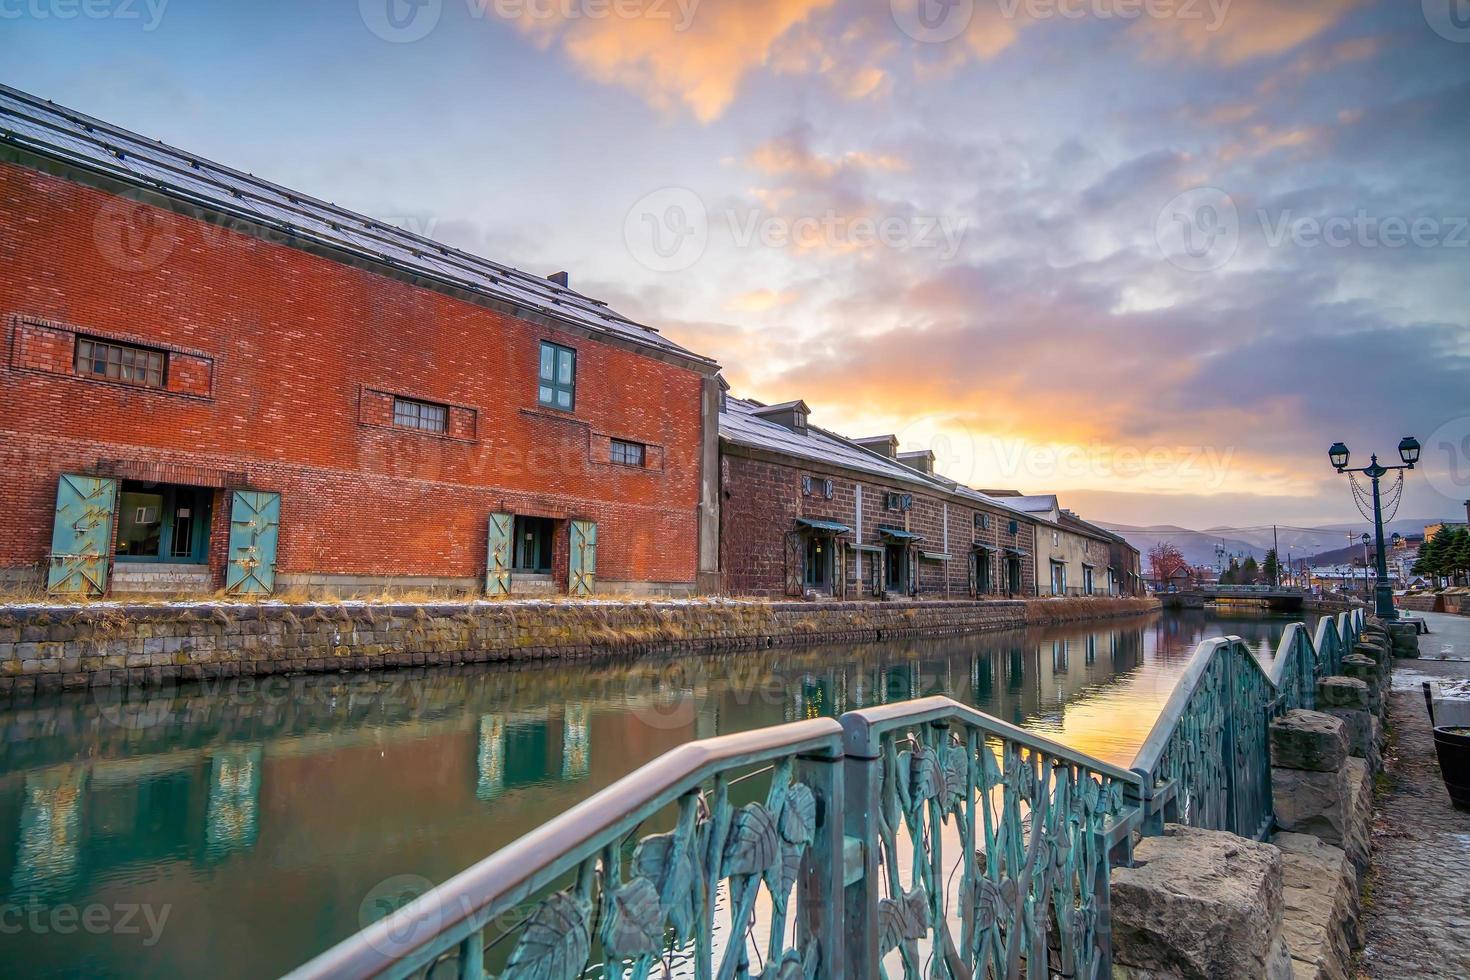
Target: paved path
1417,912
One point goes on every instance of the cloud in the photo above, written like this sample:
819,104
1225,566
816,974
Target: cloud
697,63
760,300
1240,30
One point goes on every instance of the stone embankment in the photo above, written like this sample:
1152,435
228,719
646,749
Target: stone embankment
1205,903
64,647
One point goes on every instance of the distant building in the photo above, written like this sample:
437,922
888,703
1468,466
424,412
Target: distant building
1430,530
805,511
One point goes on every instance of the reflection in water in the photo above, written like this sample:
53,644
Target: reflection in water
274,808
234,802
490,761
50,835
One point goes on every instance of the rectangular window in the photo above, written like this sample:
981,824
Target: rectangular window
424,416
120,362
558,381
627,453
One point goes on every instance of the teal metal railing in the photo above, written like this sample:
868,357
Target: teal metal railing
923,837
1206,760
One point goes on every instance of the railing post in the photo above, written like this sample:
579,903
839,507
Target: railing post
862,776
820,905
1228,739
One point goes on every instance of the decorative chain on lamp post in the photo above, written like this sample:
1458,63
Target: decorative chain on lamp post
1409,453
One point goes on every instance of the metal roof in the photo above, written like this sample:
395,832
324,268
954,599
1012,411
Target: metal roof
53,131
836,527
741,424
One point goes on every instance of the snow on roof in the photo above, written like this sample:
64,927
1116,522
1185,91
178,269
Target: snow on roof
741,424
47,129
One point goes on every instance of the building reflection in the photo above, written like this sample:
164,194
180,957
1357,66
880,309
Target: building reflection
232,819
49,851
189,792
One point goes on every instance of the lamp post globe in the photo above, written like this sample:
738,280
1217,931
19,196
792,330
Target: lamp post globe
1409,450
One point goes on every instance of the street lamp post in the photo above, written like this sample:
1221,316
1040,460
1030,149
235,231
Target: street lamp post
1365,565
1409,453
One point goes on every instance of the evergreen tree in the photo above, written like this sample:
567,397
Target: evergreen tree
1250,572
1231,575
1272,568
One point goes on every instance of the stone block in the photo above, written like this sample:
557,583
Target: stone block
1364,734
1320,915
1343,692
1405,638
1365,669
1308,740
1312,802
1199,904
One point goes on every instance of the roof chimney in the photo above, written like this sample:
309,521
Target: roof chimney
882,445
921,460
560,278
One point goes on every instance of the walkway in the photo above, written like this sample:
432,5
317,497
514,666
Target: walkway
1417,910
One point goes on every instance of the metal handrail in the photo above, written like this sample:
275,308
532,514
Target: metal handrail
862,729
455,915
1324,653
465,903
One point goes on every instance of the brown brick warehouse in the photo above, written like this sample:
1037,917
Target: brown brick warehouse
210,381
393,393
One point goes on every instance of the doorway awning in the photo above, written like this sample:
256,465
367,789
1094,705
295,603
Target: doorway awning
1016,552
831,527
898,534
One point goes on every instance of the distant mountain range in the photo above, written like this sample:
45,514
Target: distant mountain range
1199,546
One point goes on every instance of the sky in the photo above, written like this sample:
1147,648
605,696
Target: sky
1152,255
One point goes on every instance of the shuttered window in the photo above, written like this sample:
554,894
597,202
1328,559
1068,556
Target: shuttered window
120,362
558,381
424,416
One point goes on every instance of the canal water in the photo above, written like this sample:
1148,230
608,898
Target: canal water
237,828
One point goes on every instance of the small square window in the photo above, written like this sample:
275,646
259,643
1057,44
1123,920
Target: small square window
557,387
627,453
120,362
424,416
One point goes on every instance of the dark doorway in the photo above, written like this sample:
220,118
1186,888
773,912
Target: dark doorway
162,522
983,583
818,564
895,560
533,545
1013,576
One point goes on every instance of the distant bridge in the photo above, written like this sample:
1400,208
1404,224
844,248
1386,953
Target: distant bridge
1272,596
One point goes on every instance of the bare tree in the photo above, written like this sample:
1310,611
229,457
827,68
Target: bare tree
1165,561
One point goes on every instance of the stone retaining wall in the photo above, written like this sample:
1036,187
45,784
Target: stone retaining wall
54,647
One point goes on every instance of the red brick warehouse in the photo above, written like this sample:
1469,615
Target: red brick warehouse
210,381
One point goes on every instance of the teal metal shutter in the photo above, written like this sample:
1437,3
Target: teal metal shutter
913,569
255,530
583,566
81,539
976,557
497,565
839,567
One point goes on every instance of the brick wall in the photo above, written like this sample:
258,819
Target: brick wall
762,498
282,369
